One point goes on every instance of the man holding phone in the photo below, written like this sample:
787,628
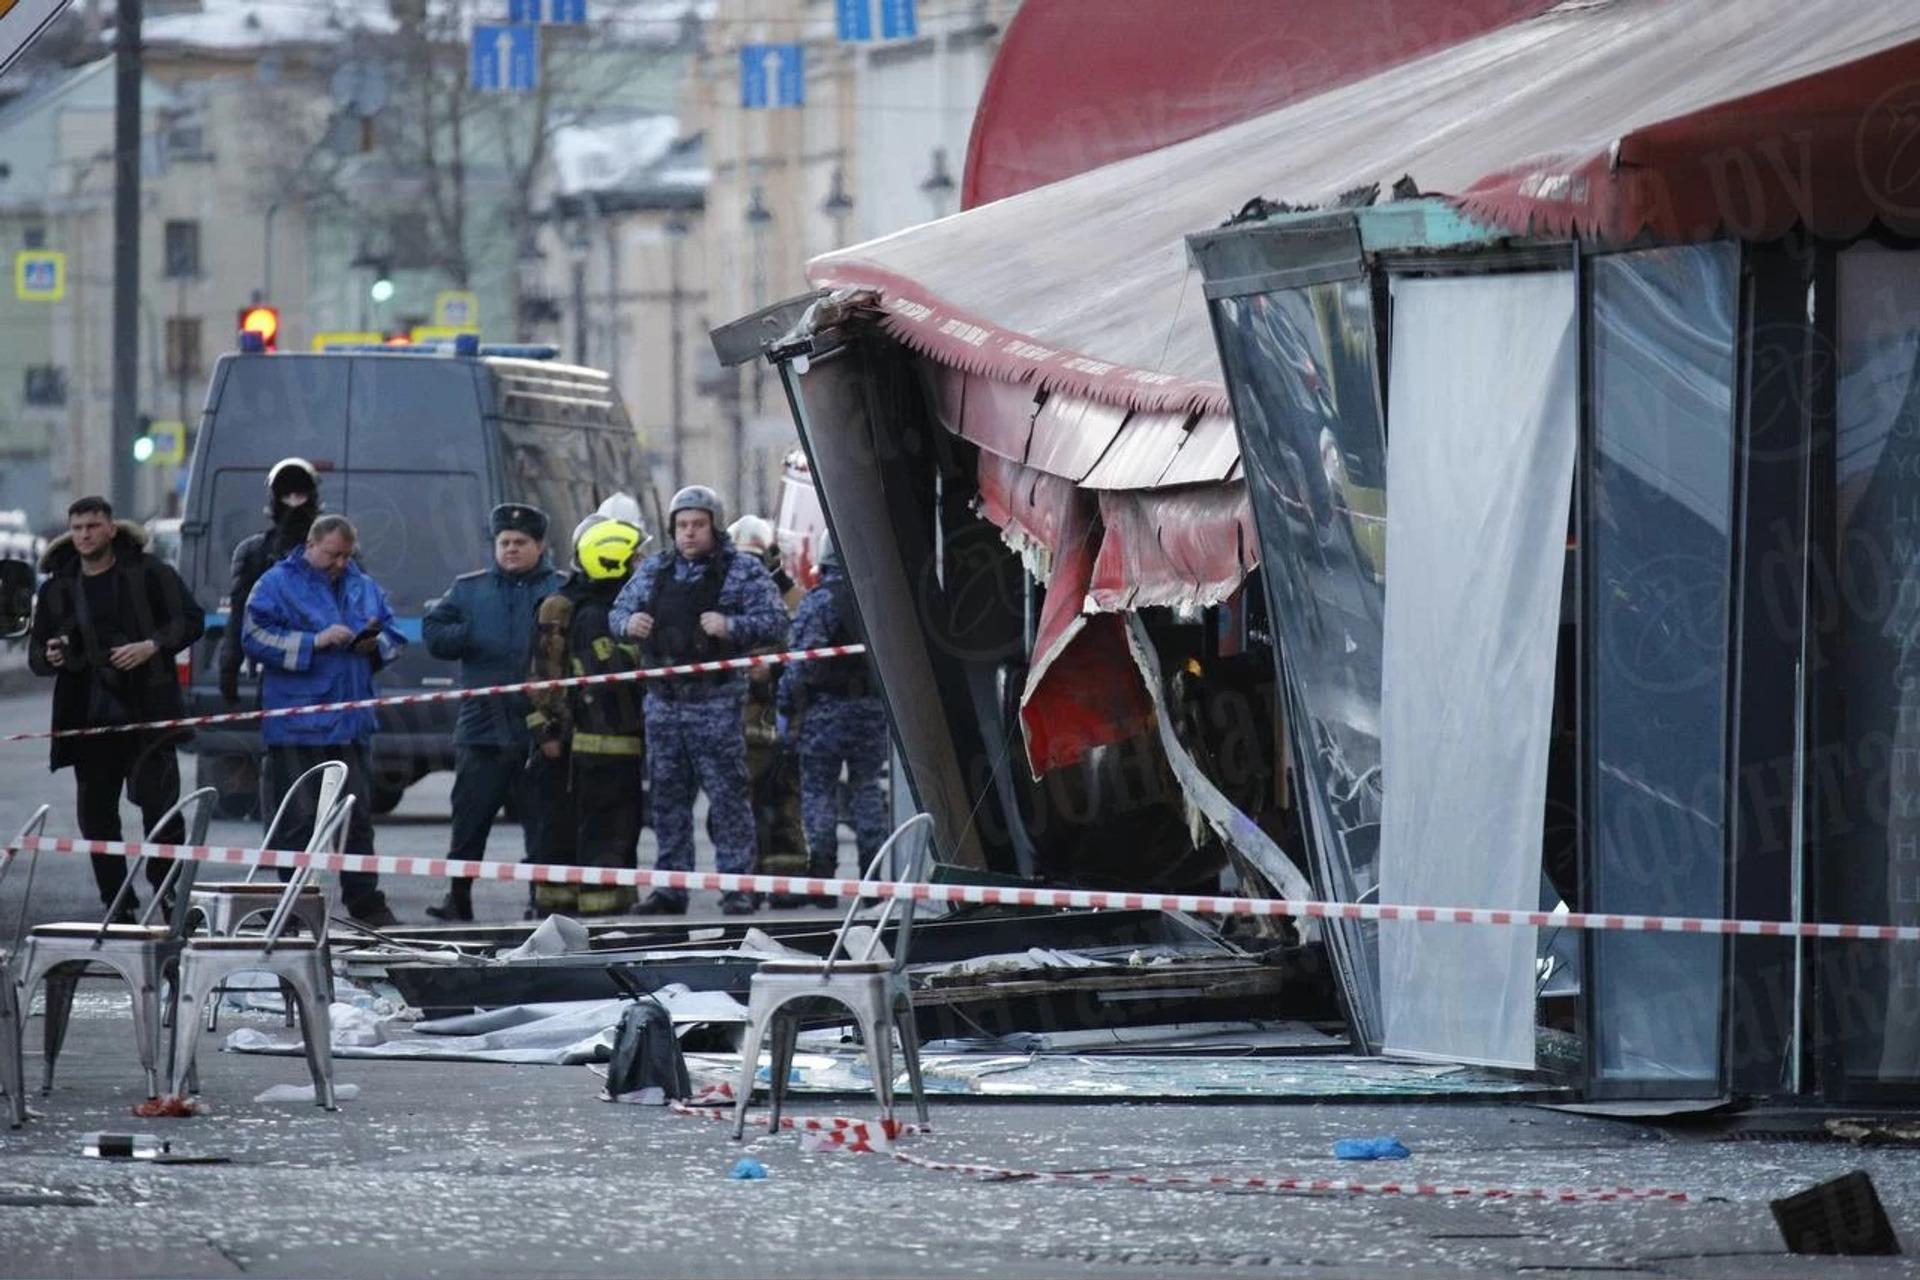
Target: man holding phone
320,628
106,627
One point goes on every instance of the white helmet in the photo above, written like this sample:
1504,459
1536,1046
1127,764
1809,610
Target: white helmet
623,507
752,534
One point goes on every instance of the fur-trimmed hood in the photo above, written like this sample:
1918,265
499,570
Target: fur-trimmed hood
130,539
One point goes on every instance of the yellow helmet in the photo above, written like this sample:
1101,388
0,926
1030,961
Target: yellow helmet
605,549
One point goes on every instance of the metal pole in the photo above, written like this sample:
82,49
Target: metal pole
580,309
677,344
126,252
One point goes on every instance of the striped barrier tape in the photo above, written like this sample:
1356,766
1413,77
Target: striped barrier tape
837,1133
971,894
457,695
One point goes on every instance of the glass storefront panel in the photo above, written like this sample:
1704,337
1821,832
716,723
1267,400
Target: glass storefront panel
1658,544
1301,367
1870,820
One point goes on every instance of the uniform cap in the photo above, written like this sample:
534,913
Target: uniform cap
519,517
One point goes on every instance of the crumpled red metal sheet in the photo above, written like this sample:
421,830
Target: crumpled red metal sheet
1026,502
1169,547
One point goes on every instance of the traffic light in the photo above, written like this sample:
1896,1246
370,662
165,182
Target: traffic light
263,321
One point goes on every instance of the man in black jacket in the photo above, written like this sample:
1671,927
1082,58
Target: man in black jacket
293,500
106,626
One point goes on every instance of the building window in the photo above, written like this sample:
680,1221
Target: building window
183,347
182,249
410,242
46,385
34,238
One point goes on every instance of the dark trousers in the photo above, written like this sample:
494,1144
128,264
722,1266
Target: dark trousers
484,778
285,764
594,807
149,771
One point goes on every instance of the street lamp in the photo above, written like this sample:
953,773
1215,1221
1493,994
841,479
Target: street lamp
838,206
938,184
676,231
759,218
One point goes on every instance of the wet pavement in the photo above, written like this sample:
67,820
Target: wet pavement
449,1169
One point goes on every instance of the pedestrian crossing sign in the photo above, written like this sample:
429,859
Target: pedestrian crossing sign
40,275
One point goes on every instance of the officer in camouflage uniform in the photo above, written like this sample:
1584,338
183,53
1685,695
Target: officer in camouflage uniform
590,735
842,722
698,601
773,772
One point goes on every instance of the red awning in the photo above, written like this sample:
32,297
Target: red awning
1083,286
1836,151
1143,74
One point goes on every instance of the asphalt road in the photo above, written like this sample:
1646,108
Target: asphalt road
452,1169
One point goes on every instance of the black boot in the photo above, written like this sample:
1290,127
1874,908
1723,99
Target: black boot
457,906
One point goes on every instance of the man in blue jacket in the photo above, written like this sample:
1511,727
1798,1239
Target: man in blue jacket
699,601
319,628
485,622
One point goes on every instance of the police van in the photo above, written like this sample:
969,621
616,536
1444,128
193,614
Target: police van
415,445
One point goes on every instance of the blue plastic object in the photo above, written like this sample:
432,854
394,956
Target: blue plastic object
747,1169
1386,1148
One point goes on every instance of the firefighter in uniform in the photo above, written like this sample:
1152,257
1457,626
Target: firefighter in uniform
842,722
589,735
485,623
696,601
773,774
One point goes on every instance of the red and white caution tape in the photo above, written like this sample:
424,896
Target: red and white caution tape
976,894
457,695
837,1133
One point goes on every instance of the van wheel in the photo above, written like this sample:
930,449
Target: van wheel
237,780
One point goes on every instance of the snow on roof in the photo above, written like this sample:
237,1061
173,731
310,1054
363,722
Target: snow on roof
252,24
620,155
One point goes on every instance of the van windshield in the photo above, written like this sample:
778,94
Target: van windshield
418,530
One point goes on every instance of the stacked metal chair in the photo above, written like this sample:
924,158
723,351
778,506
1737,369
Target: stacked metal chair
13,1069
302,964
142,955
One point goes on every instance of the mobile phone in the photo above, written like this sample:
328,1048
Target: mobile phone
369,631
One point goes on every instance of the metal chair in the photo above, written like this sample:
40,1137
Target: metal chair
141,955
302,964
875,990
13,1067
225,907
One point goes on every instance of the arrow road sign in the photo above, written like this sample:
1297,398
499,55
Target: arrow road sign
505,59
773,75
854,19
560,13
898,21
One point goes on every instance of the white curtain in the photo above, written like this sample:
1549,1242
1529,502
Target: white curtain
1481,442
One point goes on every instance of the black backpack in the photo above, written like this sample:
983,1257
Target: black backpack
646,1053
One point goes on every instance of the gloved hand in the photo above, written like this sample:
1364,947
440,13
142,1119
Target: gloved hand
230,687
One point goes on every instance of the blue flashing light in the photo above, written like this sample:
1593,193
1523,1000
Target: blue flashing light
467,344
252,343
513,350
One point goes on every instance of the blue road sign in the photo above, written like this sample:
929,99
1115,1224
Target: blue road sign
559,13
898,21
773,75
506,59
854,19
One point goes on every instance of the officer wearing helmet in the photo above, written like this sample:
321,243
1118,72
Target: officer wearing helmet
699,600
773,775
843,723
589,738
293,500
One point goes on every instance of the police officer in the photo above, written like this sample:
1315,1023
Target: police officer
485,623
697,601
589,737
293,500
841,723
773,775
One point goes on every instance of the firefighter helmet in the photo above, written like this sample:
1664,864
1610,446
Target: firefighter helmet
605,549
